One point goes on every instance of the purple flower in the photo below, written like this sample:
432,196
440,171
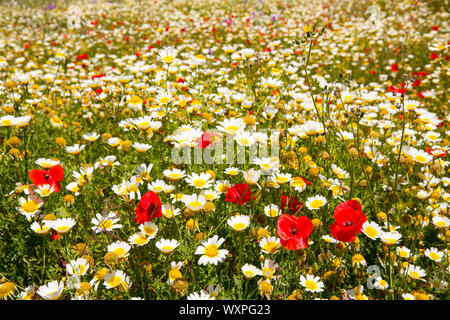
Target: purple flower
50,6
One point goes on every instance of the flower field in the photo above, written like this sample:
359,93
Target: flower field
242,150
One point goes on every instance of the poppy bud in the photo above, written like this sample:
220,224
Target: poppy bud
314,172
111,259
209,207
180,286
316,222
80,248
147,266
353,152
60,141
321,140
325,155
49,217
261,219
13,141
83,287
188,213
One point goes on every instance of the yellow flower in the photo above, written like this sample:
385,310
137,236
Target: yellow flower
307,28
6,289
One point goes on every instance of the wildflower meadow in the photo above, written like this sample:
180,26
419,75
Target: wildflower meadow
228,150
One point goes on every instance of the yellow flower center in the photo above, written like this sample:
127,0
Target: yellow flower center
174,176
132,188
114,281
243,141
62,229
106,225
164,100
267,272
282,180
42,229
249,274
79,269
434,256
311,285
239,226
141,239
199,183
55,297
119,251
195,204
223,188
298,183
315,204
167,248
232,129
209,197
175,274
271,247
420,159
441,224
211,251
272,213
168,59
149,230
30,206
337,190
46,165
45,192
371,232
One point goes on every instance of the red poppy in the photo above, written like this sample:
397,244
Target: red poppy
349,219
98,76
205,140
293,204
437,152
294,231
434,56
239,194
394,67
148,208
54,235
52,177
82,56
